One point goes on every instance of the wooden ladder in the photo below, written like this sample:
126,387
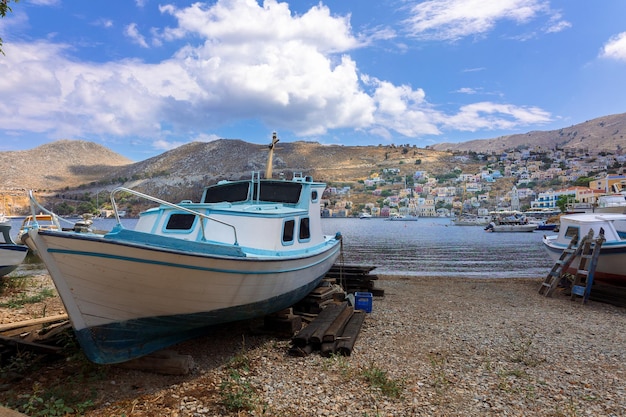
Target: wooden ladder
574,249
583,280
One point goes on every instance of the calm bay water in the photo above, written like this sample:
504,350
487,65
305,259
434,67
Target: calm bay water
427,247
435,247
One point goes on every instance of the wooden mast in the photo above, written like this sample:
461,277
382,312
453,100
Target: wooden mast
270,157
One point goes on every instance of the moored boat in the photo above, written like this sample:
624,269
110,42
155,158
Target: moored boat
247,249
41,221
402,218
612,203
471,220
610,268
11,254
510,222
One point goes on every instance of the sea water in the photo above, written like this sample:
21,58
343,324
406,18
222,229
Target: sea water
427,247
436,247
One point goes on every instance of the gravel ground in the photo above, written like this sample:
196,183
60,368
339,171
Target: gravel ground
431,347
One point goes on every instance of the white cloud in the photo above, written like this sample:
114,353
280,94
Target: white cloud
491,116
133,33
615,48
164,145
452,20
105,23
467,90
241,61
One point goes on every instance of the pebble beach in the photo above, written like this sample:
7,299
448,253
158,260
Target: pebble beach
432,346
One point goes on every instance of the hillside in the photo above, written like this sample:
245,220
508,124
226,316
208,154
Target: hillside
78,167
182,172
606,133
58,165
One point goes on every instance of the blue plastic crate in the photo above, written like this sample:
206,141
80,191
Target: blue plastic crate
363,301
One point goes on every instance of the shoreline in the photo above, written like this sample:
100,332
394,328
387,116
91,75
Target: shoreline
453,346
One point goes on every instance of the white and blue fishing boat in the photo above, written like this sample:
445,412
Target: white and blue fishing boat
11,254
611,266
247,249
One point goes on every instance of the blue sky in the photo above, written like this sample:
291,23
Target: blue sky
142,77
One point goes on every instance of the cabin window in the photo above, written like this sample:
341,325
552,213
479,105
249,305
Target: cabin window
288,231
314,195
279,192
305,232
229,192
180,221
571,232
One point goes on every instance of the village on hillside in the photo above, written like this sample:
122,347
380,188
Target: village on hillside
538,181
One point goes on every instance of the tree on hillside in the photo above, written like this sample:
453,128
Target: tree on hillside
4,8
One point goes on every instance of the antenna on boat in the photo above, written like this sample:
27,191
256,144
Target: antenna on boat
270,157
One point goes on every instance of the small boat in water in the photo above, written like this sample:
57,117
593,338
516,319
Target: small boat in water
611,266
41,221
511,222
612,203
471,220
247,249
402,218
11,254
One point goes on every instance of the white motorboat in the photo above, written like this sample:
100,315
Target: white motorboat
247,249
611,266
11,254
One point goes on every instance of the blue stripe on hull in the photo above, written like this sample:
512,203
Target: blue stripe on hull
120,342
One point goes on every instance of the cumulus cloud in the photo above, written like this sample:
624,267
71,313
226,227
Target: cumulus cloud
452,20
492,116
615,48
240,61
133,33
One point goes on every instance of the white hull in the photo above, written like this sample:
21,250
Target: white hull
107,286
509,228
11,256
611,266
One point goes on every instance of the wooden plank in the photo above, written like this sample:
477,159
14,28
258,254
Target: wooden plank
325,321
337,326
166,362
7,412
17,343
350,333
32,322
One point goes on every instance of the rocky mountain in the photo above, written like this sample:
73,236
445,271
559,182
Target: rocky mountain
68,167
606,133
79,167
58,165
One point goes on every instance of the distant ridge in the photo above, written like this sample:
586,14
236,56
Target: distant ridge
181,173
606,133
57,165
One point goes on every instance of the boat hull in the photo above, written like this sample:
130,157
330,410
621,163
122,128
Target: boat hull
11,256
610,268
512,228
126,299
612,258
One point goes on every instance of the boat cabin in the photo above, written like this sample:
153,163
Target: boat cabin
274,215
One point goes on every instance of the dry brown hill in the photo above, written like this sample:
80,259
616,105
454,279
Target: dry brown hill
182,172
76,167
57,165
606,133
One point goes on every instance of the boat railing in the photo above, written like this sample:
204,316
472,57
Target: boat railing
37,208
172,205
